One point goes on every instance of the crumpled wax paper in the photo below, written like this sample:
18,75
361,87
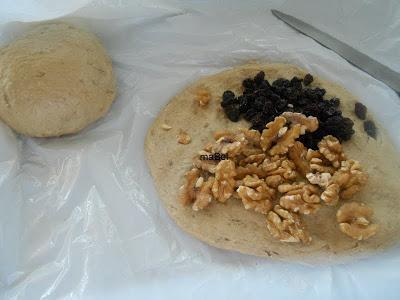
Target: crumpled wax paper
79,215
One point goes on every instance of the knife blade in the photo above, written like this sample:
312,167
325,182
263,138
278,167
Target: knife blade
355,57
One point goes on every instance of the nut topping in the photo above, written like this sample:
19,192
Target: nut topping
331,149
353,220
203,96
272,167
183,138
255,194
286,226
310,123
224,183
300,197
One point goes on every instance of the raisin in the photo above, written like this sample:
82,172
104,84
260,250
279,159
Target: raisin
274,97
233,114
257,118
248,84
309,140
264,85
308,79
295,83
311,109
292,94
335,102
370,128
360,110
248,91
259,78
259,103
268,107
327,112
280,82
228,98
261,93
311,95
280,85
249,114
302,101
244,104
281,105
319,93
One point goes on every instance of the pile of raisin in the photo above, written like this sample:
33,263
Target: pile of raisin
261,102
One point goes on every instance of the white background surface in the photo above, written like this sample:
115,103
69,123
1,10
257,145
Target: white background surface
79,216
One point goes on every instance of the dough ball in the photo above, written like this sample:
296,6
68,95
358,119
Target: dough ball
55,80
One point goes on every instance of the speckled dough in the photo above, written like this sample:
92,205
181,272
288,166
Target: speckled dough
55,80
229,225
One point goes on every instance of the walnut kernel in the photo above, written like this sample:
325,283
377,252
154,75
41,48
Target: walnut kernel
286,226
331,194
187,191
224,183
183,137
203,96
270,134
310,123
255,194
300,197
352,219
331,149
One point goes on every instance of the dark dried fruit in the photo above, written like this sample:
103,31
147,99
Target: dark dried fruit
233,114
370,128
249,115
310,140
244,104
261,102
295,83
311,109
228,97
320,92
281,82
268,108
248,83
327,112
274,97
259,78
281,105
360,110
335,102
308,79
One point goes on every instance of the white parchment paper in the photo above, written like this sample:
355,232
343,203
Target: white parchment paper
79,215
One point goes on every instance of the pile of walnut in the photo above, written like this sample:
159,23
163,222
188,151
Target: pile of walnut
273,174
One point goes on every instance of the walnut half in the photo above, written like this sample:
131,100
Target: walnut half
352,219
331,149
183,137
224,184
309,123
300,197
286,226
187,193
203,96
255,194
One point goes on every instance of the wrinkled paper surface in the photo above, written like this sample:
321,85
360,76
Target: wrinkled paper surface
79,215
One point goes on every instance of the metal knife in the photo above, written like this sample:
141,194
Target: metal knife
355,57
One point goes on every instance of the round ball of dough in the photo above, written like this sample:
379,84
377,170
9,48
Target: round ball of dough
55,80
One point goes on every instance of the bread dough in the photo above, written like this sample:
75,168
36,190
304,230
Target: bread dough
228,225
55,80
